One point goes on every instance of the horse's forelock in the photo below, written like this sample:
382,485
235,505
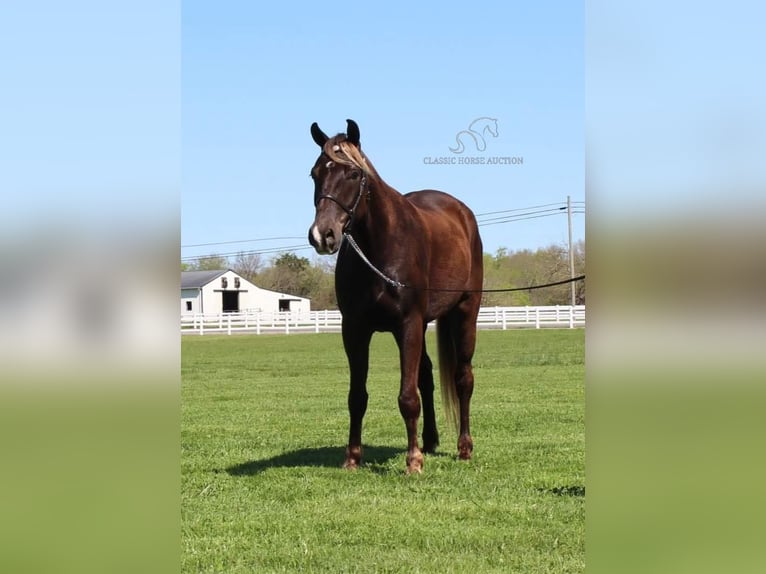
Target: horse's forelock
340,150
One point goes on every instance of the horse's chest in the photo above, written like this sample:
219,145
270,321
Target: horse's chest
364,296
380,308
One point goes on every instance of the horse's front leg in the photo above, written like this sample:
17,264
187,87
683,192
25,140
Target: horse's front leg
410,341
356,342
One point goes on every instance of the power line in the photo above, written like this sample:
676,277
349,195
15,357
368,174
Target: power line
285,248
531,212
554,211
514,220
530,215
517,209
561,204
241,241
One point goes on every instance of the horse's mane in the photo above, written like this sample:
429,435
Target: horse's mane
340,150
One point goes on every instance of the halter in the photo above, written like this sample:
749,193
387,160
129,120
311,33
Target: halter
352,211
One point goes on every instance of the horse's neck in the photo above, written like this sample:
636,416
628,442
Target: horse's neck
385,208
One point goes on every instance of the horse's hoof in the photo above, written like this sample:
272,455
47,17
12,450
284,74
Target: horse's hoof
415,463
353,457
465,448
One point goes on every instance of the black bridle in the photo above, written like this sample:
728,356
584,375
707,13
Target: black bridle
349,211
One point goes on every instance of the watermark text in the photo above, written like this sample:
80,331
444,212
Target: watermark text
474,160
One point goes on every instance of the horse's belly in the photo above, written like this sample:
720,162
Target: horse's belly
440,305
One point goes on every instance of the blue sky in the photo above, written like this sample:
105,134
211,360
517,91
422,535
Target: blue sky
255,76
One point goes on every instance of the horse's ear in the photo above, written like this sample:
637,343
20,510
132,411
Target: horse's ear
352,132
319,136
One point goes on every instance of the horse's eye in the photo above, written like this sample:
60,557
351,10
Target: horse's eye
353,174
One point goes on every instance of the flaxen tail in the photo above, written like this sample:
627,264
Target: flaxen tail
447,367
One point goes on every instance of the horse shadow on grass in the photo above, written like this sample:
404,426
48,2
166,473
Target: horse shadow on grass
375,458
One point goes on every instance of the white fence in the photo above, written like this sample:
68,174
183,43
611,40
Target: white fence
561,316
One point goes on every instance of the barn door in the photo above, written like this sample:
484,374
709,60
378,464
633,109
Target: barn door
230,301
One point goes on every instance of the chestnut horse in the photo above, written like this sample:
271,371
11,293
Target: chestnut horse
427,258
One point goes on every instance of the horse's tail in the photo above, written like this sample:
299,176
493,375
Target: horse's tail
447,368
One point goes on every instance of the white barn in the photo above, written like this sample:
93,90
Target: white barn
224,291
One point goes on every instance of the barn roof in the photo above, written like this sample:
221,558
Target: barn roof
198,279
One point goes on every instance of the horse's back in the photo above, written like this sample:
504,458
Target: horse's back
432,199
455,244
443,211
439,205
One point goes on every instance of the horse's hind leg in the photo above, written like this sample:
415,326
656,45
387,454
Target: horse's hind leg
426,386
465,343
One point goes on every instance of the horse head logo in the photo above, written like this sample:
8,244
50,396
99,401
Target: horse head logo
476,131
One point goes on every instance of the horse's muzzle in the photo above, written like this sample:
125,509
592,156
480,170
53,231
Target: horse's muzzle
325,242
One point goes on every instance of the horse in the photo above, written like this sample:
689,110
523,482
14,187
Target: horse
403,261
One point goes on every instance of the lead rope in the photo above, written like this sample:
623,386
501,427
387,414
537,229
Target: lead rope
395,283
377,271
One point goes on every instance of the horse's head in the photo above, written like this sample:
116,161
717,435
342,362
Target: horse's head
340,180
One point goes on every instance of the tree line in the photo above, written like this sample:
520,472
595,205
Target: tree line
296,275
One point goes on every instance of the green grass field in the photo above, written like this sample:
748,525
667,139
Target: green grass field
263,431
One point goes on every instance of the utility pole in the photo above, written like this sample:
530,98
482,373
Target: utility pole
571,253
